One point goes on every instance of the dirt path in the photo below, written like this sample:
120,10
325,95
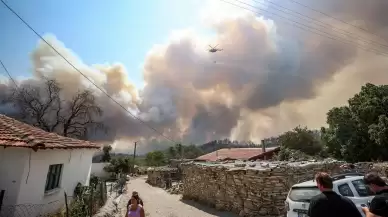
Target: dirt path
159,203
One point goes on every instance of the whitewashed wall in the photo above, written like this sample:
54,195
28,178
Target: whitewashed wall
12,163
27,172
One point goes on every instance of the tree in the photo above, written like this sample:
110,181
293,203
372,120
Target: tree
179,150
172,153
106,153
155,158
192,151
300,143
120,165
358,131
43,106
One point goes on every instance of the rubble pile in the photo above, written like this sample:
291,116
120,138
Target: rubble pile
176,188
156,175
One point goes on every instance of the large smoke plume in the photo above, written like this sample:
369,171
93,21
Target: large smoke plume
268,79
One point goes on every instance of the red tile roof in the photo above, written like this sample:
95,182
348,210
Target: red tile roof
234,154
14,133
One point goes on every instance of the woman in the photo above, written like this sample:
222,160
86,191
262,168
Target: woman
134,193
135,209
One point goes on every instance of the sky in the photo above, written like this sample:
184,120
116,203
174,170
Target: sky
96,30
268,69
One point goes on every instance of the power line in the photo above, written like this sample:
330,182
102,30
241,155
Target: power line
323,24
9,74
328,15
308,28
346,41
79,71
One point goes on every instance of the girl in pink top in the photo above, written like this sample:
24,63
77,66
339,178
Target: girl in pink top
135,209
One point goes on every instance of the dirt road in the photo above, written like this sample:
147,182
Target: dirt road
159,203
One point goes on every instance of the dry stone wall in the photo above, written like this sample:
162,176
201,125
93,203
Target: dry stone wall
256,189
156,175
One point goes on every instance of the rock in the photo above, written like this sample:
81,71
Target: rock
176,188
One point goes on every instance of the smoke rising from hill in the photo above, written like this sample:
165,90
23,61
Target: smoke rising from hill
268,78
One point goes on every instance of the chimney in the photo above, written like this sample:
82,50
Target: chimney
263,145
263,148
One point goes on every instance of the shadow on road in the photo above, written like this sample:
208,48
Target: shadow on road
207,209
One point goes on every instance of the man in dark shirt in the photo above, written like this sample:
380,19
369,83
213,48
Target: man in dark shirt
379,204
329,203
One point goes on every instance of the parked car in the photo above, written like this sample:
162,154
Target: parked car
350,185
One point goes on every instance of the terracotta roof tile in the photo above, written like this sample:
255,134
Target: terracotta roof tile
17,134
233,153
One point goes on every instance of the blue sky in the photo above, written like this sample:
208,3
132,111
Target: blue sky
98,31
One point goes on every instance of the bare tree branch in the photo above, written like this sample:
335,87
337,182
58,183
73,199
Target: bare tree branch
43,107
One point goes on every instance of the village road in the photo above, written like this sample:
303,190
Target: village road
159,203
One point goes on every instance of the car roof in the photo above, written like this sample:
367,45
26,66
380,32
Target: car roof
312,183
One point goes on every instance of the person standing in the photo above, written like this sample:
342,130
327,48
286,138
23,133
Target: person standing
379,204
329,203
135,209
135,193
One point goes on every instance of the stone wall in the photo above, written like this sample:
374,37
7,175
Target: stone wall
256,189
156,175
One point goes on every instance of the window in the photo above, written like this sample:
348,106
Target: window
345,190
303,194
361,188
53,177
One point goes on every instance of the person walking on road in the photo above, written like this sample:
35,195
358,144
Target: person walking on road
135,209
379,204
134,193
329,203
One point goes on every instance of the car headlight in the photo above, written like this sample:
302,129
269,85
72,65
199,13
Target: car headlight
287,205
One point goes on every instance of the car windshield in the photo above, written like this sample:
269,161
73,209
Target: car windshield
303,194
361,188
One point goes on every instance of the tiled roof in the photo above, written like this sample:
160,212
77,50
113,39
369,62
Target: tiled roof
233,154
14,133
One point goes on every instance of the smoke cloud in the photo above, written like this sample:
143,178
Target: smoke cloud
269,77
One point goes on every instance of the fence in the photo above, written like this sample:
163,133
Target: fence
85,202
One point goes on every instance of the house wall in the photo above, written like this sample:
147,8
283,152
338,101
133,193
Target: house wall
76,169
12,164
98,170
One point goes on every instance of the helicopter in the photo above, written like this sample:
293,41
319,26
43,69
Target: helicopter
214,49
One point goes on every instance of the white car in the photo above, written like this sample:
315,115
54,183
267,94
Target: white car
350,185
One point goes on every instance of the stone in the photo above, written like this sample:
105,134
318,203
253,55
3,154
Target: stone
255,191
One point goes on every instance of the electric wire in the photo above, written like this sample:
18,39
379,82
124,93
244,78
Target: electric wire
308,29
86,77
335,18
9,74
323,24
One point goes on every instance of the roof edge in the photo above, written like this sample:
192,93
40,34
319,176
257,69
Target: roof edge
45,148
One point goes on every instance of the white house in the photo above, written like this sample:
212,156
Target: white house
37,167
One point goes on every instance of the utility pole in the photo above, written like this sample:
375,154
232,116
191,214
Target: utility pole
134,157
181,152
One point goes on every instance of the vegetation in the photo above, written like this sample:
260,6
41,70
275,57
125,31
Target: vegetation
356,132
300,144
88,199
155,158
121,165
106,153
44,106
359,130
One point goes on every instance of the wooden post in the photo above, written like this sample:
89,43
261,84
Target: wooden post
91,203
2,193
134,158
67,206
